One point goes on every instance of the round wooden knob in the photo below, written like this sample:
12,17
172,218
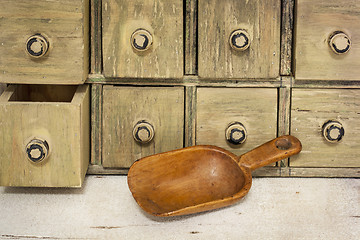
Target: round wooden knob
141,40
333,131
239,40
339,42
236,133
143,132
37,150
37,46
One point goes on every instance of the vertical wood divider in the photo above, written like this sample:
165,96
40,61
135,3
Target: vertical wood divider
190,116
190,53
287,25
95,37
96,123
284,115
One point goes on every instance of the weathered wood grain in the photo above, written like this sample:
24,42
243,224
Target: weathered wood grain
325,172
96,38
284,103
191,37
310,109
96,123
218,19
124,107
65,23
287,26
255,108
315,22
64,124
190,116
164,21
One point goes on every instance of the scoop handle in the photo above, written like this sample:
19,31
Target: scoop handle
272,151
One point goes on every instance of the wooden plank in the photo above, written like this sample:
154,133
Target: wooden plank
315,23
164,22
324,172
310,109
64,23
287,37
191,37
190,116
219,18
96,123
83,95
326,84
189,80
96,39
284,102
125,107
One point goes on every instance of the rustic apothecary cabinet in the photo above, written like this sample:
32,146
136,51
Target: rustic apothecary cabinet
163,75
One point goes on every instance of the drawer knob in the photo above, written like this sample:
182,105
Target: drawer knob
236,133
239,40
141,40
339,42
143,132
37,46
333,131
37,150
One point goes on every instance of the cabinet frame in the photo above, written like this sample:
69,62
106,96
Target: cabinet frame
285,83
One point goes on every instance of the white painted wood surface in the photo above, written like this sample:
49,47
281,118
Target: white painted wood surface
275,208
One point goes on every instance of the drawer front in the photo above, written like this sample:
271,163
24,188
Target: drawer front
45,140
224,115
327,40
327,124
239,39
143,39
141,121
44,42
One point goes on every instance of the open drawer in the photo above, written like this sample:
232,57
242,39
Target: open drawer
44,133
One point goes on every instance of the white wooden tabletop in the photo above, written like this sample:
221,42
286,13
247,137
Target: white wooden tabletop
275,208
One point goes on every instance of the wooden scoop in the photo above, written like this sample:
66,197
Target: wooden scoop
200,178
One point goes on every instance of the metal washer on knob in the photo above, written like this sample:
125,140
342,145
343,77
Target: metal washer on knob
239,40
37,150
141,40
236,133
143,132
333,131
37,46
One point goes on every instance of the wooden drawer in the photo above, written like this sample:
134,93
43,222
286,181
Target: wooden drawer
140,121
327,123
44,42
143,38
45,135
222,111
327,43
239,39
